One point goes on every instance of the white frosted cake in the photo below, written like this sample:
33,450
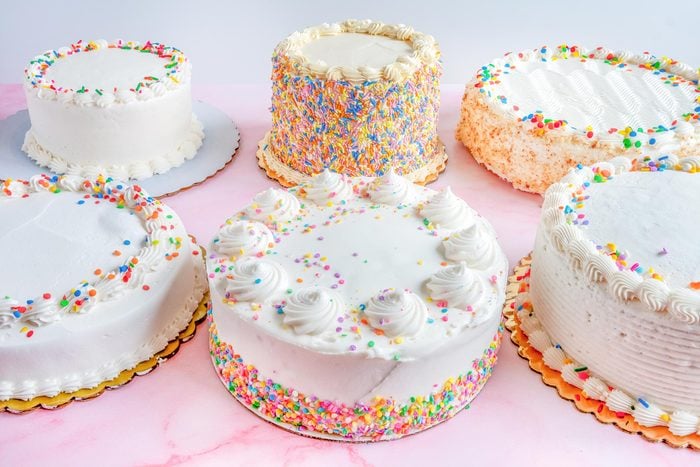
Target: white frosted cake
358,97
121,109
530,116
98,277
614,302
354,308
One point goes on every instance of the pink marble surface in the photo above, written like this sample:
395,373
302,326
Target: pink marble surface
181,414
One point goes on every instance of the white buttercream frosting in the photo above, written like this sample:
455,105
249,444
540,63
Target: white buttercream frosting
447,211
397,313
313,310
391,189
256,280
459,286
274,205
244,238
328,187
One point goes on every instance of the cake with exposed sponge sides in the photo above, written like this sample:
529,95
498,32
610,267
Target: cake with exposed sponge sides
358,98
614,299
356,309
530,116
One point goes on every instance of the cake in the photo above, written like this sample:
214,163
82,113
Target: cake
530,116
117,108
614,298
355,309
96,278
358,98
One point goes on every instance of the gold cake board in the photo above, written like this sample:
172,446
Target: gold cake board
266,160
199,314
518,284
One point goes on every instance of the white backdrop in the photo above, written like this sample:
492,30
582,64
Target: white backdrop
232,41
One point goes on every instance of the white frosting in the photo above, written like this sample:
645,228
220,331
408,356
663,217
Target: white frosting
238,239
633,330
391,189
358,51
459,286
122,125
273,205
357,299
447,211
256,280
473,245
355,50
328,187
117,299
603,93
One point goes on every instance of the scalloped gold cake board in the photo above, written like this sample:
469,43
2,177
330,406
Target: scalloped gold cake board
263,155
518,284
18,406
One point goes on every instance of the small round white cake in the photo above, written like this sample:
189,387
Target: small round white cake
530,116
615,287
355,308
97,277
121,109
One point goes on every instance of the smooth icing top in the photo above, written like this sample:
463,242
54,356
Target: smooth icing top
632,224
104,73
617,98
111,234
358,51
349,273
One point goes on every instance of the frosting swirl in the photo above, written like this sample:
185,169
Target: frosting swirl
313,310
6,311
273,205
391,189
256,280
244,238
327,187
41,312
397,313
447,211
684,305
473,245
458,285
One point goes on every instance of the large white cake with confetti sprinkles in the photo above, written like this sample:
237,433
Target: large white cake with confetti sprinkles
122,109
97,277
354,308
530,116
614,302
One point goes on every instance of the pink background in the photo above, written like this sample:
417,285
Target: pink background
181,413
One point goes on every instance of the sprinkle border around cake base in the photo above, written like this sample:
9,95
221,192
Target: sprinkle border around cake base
288,177
518,286
323,419
199,314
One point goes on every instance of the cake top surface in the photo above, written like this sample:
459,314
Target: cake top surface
103,73
619,98
349,265
357,51
79,243
631,223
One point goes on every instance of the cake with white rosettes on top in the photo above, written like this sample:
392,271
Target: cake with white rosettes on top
614,289
98,277
356,309
118,108
530,116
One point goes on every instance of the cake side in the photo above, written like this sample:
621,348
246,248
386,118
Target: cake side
108,309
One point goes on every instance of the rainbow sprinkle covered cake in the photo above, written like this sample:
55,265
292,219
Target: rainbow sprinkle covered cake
117,108
358,98
530,116
614,299
98,278
356,309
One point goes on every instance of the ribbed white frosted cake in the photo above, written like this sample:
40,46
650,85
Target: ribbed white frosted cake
615,287
96,278
530,116
119,108
355,308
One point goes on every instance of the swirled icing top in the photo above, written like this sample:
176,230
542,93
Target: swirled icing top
243,238
317,285
618,98
374,50
274,205
592,215
134,245
447,211
102,73
397,313
474,246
